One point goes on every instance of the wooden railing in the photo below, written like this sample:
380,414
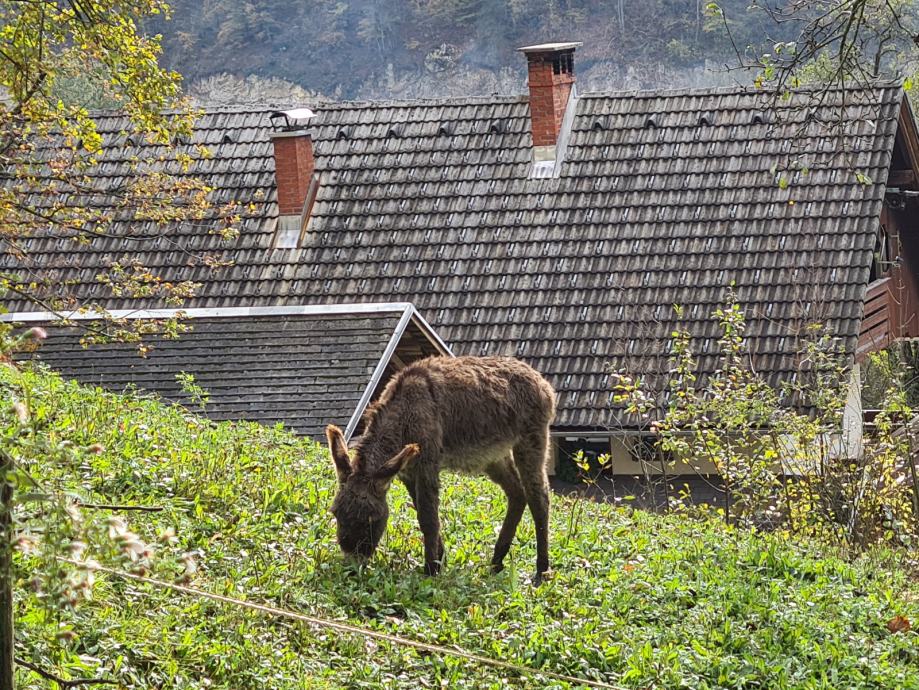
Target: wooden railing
877,326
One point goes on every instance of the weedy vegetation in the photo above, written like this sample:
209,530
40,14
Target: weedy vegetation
639,600
792,455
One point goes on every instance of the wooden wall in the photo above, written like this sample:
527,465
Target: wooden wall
892,301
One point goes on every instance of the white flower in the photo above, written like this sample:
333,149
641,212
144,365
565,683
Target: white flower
21,412
76,549
116,527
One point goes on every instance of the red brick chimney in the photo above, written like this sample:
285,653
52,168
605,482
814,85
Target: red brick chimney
550,69
294,168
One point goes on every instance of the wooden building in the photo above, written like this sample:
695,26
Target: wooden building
300,366
557,227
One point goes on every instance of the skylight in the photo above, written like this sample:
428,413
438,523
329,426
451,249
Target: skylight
543,169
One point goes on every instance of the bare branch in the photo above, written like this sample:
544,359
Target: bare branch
63,682
119,508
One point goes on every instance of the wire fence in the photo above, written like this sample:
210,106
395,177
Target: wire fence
350,628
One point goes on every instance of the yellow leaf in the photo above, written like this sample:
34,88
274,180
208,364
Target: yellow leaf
899,624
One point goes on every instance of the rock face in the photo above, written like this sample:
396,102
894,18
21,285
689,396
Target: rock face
454,82
229,89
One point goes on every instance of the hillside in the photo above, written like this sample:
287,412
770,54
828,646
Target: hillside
373,49
637,600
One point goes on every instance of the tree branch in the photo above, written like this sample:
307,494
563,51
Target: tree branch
63,682
107,506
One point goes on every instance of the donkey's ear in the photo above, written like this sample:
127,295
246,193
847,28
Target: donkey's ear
395,464
339,450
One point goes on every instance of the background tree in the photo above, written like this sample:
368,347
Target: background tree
834,43
52,54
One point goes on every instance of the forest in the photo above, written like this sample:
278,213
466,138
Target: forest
361,49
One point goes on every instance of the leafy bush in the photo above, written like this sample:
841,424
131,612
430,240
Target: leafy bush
785,454
639,600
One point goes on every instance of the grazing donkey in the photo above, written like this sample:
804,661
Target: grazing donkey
473,415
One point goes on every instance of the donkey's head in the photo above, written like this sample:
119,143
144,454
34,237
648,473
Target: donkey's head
360,507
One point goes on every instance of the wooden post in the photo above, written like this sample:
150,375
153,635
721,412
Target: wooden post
6,575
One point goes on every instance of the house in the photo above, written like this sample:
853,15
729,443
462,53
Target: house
557,227
301,366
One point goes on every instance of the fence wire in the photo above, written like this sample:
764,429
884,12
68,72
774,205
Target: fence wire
350,628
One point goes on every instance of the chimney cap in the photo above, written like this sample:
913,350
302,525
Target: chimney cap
292,116
550,47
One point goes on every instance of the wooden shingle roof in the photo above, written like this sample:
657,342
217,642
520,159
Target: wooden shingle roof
305,367
664,198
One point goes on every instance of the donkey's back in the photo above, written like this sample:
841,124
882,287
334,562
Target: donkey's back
475,410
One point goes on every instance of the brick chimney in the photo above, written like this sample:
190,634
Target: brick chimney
550,68
294,168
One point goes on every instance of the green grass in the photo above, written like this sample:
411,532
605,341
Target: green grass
638,600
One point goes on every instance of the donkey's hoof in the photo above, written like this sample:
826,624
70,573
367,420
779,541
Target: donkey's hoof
496,568
544,576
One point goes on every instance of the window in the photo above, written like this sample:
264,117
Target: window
882,261
593,450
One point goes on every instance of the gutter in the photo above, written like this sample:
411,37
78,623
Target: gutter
211,312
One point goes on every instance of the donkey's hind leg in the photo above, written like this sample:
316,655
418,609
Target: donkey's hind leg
504,474
530,456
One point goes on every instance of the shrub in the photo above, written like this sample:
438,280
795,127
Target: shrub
786,454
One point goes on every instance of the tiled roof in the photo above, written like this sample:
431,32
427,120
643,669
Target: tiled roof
303,370
664,198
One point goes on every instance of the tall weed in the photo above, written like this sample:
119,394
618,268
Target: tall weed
791,455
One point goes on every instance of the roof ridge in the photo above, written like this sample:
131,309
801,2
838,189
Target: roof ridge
496,99
327,105
209,110
416,102
881,84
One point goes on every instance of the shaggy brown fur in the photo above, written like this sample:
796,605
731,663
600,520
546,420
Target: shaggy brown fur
477,415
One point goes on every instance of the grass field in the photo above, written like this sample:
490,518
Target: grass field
637,600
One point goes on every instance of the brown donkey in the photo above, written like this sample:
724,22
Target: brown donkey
476,415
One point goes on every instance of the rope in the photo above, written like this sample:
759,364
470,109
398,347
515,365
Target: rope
349,628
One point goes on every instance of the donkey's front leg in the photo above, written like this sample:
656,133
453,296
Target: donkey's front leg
427,503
